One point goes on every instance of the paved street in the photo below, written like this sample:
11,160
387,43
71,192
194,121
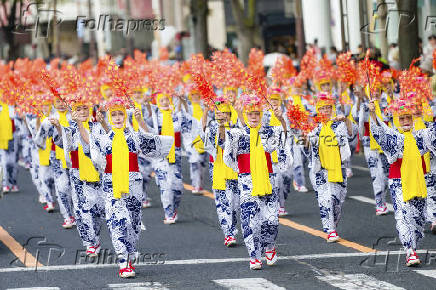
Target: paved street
191,254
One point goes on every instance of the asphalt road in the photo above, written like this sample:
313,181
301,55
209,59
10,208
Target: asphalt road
191,254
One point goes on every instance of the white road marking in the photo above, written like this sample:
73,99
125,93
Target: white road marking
248,284
357,282
360,168
35,288
428,273
138,286
370,200
203,261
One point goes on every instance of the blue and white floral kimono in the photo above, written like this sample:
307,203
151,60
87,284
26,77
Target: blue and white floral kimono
330,195
283,166
168,175
88,197
34,162
377,163
410,215
145,166
9,157
197,160
226,201
259,214
60,171
123,215
45,172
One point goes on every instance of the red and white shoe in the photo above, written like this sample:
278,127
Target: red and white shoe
49,207
15,188
176,216
333,237
6,189
255,264
127,272
93,251
146,204
67,224
412,259
382,210
283,212
229,241
169,221
197,190
73,220
271,257
299,188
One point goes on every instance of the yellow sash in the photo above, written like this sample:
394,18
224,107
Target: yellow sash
233,115
6,133
60,155
120,163
329,154
418,124
274,122
168,130
372,143
412,176
135,124
258,165
221,172
44,154
197,113
87,171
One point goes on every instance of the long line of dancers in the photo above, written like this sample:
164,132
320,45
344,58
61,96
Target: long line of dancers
94,136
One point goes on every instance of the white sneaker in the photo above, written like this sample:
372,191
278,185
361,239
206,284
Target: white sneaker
433,228
332,237
271,257
93,251
41,199
303,189
255,264
146,204
283,212
127,271
49,207
382,210
176,216
196,190
15,188
169,221
349,172
67,224
412,259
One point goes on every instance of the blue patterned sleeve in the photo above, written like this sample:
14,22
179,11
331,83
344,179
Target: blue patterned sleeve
154,146
231,148
390,141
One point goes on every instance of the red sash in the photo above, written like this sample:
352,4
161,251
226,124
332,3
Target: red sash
395,168
244,163
133,163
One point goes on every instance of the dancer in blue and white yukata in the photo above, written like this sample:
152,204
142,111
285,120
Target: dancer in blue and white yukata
247,150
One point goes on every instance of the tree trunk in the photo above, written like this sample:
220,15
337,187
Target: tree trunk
199,11
92,52
299,29
56,34
10,39
246,27
407,32
8,32
382,13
